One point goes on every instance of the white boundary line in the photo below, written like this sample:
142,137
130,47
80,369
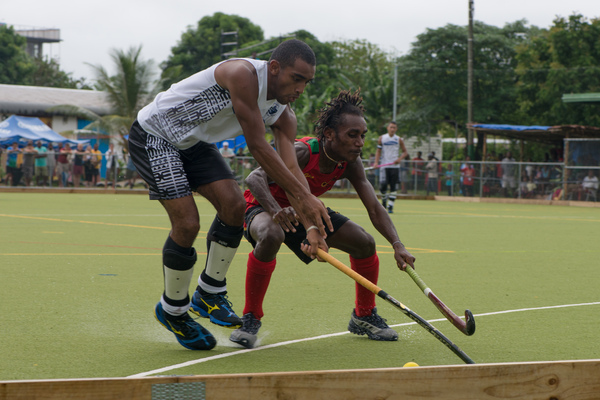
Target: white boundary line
289,342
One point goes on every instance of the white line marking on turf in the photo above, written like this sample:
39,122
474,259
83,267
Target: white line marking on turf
289,342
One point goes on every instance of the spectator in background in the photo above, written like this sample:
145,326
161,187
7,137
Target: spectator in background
29,155
432,174
131,174
13,172
417,172
50,163
499,169
404,168
463,168
509,182
112,165
227,153
450,176
468,180
77,170
239,156
527,187
96,161
488,181
63,162
590,185
529,168
87,165
41,165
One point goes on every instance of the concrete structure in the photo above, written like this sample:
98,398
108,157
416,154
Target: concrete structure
36,37
34,101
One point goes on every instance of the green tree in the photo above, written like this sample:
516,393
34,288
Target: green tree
15,65
321,89
129,89
362,65
18,68
200,47
433,76
563,59
133,84
47,73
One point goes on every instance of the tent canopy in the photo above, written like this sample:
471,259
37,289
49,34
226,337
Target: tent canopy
554,135
15,128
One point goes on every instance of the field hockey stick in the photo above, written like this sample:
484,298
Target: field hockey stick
407,311
379,166
467,327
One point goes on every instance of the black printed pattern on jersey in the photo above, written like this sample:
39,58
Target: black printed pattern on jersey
178,121
167,169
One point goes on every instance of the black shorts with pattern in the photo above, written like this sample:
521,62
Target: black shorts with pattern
293,240
172,173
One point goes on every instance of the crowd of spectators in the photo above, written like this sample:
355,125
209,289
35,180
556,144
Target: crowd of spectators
48,164
499,176
63,165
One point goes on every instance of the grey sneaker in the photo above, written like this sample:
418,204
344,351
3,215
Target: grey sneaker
373,326
246,335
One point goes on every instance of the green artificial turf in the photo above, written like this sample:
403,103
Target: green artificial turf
81,274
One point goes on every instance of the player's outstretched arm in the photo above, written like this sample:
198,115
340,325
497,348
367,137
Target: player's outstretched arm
311,210
378,215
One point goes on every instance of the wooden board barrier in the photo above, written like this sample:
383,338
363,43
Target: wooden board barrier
555,380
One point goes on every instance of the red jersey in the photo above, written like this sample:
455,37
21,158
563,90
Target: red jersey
318,183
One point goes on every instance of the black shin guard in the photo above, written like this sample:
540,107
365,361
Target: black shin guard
225,235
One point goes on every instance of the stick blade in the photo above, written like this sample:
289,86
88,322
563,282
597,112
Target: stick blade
470,328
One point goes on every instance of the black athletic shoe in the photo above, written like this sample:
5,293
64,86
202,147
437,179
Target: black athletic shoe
246,335
373,326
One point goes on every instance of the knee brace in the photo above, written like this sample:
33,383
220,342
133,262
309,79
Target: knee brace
225,235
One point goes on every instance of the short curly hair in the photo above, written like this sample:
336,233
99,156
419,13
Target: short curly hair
288,51
330,116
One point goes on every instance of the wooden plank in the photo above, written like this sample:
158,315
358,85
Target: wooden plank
564,380
82,389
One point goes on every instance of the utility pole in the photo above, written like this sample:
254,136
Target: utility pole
470,147
395,91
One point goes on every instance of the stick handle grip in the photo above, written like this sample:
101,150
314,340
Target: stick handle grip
415,277
348,271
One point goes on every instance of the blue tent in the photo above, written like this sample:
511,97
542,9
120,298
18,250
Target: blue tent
235,143
513,127
16,128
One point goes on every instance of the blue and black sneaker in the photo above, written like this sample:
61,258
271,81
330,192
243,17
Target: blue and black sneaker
188,332
215,306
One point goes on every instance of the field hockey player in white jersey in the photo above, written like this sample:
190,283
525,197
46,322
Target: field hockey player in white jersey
172,145
388,157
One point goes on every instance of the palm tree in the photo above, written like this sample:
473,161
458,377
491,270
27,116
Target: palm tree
133,84
130,89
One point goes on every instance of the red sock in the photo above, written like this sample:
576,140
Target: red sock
368,268
258,276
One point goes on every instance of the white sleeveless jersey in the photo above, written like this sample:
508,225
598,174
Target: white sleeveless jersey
390,150
198,109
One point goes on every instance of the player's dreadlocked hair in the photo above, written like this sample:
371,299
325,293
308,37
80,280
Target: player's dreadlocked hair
330,116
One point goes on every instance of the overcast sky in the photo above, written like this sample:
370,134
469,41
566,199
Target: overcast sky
89,29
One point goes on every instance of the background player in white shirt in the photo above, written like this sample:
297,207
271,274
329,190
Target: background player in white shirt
388,152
